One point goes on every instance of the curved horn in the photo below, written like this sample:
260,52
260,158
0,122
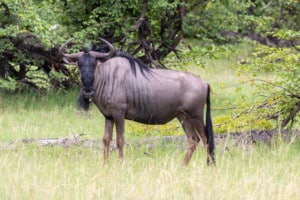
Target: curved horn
72,56
63,46
101,55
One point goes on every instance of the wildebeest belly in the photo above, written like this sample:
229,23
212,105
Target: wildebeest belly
153,113
151,118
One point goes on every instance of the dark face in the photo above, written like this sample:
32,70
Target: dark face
87,64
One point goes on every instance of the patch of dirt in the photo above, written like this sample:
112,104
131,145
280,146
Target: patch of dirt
224,141
260,136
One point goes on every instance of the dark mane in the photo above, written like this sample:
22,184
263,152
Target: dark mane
132,60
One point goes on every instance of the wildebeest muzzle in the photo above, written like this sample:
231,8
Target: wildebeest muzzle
87,80
88,92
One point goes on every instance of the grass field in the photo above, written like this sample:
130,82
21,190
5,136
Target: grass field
32,171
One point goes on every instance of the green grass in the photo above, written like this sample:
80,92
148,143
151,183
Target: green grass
34,172
53,115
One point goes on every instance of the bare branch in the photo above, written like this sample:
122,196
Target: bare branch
142,18
291,116
277,86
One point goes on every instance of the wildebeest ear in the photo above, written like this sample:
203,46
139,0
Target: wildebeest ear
98,63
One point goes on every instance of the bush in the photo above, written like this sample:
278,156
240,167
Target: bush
277,94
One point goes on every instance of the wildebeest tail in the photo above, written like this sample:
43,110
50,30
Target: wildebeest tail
83,102
209,127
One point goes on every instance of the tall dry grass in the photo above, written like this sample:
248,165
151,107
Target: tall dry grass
34,172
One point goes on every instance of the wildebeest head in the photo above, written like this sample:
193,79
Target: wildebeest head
86,61
87,64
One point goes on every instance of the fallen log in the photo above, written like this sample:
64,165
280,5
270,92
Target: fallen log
237,139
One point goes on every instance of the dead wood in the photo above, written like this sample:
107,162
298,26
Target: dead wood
238,139
268,40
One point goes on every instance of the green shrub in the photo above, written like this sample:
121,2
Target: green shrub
277,94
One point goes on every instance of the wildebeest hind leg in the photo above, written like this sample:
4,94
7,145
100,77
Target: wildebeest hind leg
107,137
192,138
198,125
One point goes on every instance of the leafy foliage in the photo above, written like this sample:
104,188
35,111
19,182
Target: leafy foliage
147,29
27,37
263,17
276,97
32,30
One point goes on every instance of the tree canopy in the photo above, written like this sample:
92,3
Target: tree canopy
32,30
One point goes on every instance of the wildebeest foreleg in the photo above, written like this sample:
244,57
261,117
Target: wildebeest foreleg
107,137
120,123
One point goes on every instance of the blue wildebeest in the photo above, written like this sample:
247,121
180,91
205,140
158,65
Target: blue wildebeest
122,87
